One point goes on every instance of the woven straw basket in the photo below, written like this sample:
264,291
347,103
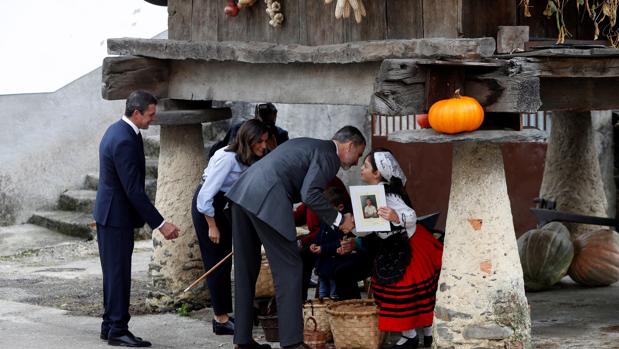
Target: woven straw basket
354,324
316,308
264,284
312,336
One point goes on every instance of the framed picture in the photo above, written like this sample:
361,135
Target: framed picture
366,199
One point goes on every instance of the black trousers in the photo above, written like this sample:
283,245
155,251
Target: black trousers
115,250
248,233
219,283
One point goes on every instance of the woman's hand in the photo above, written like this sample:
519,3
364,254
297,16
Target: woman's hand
213,231
213,234
389,214
315,248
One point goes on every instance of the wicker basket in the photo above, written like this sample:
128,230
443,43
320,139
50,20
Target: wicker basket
316,308
314,338
354,324
264,284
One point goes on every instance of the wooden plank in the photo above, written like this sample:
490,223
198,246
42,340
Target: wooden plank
123,75
288,33
399,88
481,18
576,94
372,27
569,67
320,25
441,19
179,19
204,20
442,83
251,24
404,19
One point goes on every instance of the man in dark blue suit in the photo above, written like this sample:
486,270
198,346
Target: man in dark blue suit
122,206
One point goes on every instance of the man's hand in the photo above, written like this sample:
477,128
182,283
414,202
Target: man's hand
348,223
169,231
347,245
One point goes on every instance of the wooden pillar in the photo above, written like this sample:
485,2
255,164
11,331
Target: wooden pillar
480,300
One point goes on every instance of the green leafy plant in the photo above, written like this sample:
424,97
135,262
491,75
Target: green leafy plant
183,310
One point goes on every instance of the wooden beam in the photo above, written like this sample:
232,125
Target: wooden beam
498,92
479,136
191,117
569,67
409,86
123,75
579,94
399,88
267,52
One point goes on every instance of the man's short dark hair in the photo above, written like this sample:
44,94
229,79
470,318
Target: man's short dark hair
139,100
349,133
265,111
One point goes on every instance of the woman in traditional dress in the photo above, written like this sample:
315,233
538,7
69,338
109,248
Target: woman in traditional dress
408,261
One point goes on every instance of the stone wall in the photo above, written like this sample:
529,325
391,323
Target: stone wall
49,142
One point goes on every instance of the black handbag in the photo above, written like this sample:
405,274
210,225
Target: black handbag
393,256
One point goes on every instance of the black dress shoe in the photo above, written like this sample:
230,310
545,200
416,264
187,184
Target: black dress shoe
427,341
223,328
252,345
411,343
127,340
104,334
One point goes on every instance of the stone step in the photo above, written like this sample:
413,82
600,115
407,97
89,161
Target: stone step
27,238
151,146
152,166
65,222
92,183
82,200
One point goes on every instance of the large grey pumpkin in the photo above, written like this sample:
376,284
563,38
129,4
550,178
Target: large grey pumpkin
545,255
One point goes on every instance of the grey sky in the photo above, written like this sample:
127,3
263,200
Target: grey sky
44,45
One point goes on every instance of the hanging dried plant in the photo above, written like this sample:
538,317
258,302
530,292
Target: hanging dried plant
602,13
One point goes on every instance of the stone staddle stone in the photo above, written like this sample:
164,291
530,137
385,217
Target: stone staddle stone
177,263
572,175
480,299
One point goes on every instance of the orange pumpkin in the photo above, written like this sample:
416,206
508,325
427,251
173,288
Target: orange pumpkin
455,115
596,258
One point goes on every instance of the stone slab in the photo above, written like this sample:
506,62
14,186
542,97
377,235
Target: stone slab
265,52
19,238
481,136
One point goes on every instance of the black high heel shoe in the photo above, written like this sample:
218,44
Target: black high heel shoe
427,341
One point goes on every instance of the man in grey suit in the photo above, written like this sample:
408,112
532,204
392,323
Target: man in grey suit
262,198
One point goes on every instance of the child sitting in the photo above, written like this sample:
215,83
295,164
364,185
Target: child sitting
325,246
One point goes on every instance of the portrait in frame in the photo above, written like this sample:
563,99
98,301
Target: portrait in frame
366,199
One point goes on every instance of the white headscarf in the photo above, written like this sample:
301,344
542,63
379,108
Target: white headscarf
388,166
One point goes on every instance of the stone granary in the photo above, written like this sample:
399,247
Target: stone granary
397,57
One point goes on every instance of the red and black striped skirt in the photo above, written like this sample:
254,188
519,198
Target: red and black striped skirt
409,303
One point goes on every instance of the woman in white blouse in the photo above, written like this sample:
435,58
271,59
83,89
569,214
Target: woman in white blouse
211,218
